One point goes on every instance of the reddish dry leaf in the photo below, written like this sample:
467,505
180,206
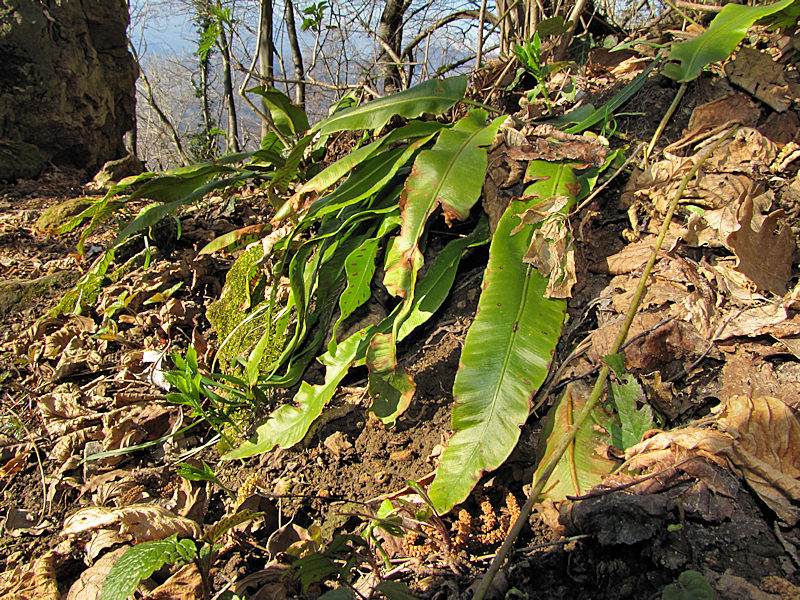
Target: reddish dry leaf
13,466
765,254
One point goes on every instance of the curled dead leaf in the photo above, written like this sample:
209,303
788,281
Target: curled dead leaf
757,438
35,581
142,522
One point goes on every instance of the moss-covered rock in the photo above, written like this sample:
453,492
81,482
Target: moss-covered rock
236,304
55,216
19,160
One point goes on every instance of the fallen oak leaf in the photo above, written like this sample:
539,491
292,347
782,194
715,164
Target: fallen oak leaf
764,255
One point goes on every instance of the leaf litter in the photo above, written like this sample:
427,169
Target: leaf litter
713,350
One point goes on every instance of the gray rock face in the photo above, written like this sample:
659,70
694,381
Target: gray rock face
67,79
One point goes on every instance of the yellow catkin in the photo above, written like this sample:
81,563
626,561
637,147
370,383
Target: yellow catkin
778,585
246,490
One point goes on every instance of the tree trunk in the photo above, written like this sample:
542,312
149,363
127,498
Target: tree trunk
265,54
208,121
232,132
390,31
297,56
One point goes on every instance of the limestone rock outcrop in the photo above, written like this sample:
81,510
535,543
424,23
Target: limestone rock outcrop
67,80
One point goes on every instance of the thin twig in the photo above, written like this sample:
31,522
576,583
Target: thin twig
560,449
698,6
599,189
43,509
663,124
596,369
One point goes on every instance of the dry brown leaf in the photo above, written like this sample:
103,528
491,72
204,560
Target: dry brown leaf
550,249
271,583
781,128
14,465
713,117
757,73
545,142
35,581
90,583
634,255
758,438
765,254
62,413
792,344
337,443
767,450
144,522
602,60
661,343
190,500
101,541
501,173
185,584
747,152
733,107
753,321
132,425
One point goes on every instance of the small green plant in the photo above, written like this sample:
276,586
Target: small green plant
204,473
691,585
142,560
312,21
214,398
339,563
529,55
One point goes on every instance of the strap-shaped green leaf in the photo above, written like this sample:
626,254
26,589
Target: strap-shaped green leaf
289,118
450,174
507,350
390,387
359,268
582,466
720,39
433,96
434,287
333,173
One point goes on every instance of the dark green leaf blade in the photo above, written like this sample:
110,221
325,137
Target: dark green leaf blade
287,425
433,96
138,562
718,42
451,174
633,422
